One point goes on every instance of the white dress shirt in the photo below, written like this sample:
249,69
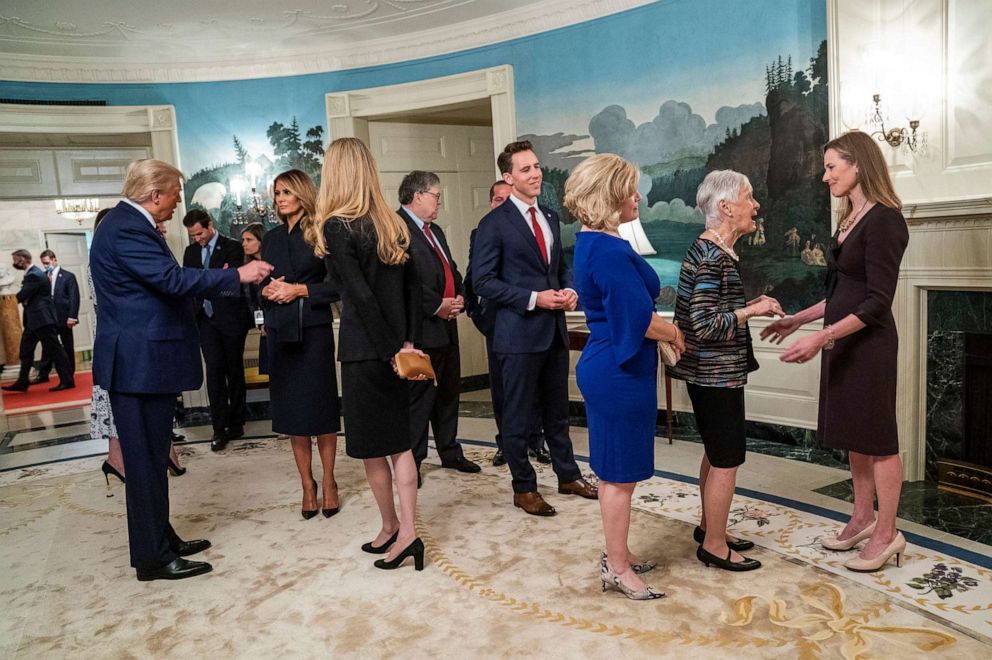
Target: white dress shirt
545,229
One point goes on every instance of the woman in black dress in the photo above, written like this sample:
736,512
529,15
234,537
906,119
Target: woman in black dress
298,326
860,344
367,247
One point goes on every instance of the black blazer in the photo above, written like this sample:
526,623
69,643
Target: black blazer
231,313
66,297
436,332
36,296
477,308
506,267
382,304
293,258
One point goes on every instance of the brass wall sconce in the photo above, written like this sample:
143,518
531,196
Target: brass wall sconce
897,136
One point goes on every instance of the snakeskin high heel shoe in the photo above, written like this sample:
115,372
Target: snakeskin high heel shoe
611,579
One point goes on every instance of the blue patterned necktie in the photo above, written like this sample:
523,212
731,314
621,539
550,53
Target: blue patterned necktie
208,307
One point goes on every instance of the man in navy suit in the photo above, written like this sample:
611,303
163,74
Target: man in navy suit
39,325
146,352
483,316
65,293
518,266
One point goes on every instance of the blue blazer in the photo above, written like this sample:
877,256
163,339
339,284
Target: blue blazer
506,267
146,336
66,297
36,296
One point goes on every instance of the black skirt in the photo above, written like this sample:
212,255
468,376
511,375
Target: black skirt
376,406
719,413
303,388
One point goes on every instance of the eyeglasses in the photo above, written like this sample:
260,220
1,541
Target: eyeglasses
437,195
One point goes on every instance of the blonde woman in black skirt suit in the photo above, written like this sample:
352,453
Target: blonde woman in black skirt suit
860,344
298,326
367,247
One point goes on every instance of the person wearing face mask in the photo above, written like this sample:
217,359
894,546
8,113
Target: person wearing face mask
712,311
303,386
859,344
65,293
40,325
618,371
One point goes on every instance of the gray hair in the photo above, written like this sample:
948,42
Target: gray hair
719,186
417,181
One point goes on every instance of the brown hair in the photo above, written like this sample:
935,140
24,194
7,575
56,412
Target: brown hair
597,188
256,229
860,149
197,217
47,253
301,185
505,160
350,190
22,254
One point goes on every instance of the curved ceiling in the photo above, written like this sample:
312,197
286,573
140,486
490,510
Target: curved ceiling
186,40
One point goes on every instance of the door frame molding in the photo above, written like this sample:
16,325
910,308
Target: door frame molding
349,112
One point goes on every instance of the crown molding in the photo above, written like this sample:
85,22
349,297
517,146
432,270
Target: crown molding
541,17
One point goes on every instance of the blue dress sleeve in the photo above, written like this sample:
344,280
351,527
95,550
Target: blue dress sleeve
626,302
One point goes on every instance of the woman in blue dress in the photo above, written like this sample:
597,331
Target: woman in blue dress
617,372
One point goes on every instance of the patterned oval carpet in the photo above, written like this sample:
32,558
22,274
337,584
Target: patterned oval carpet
497,583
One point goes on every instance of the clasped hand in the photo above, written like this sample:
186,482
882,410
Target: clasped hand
565,299
451,308
280,291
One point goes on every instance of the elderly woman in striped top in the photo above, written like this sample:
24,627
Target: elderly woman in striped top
712,311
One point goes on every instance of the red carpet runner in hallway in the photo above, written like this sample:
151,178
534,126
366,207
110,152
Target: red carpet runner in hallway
38,398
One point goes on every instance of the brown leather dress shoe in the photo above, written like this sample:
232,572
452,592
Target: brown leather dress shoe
579,487
533,504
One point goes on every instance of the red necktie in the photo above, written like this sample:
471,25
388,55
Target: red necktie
538,234
449,278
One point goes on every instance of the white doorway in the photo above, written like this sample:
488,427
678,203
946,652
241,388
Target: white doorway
73,253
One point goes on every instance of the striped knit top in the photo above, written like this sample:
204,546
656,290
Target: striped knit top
717,350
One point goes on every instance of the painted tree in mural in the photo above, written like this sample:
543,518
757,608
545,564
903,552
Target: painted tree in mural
292,152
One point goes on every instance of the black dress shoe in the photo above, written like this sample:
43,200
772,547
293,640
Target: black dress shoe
16,387
235,432
380,549
187,548
177,569
63,386
740,545
176,437
710,559
541,454
39,380
462,464
218,442
499,458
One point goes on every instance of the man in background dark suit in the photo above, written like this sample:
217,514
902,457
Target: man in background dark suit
441,303
65,292
223,323
518,266
39,325
145,353
483,316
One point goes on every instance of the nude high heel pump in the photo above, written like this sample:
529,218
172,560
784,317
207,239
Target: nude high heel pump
847,544
896,548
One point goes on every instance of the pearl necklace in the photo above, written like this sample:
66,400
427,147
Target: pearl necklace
850,221
726,248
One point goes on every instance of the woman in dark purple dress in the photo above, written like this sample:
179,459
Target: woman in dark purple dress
859,343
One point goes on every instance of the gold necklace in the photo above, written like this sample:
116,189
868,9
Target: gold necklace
726,248
848,222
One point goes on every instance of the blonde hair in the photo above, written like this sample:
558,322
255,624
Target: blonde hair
596,189
860,149
349,190
301,185
145,176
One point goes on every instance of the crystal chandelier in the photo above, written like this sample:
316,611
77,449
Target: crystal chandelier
79,210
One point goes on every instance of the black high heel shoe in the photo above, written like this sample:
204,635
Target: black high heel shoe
710,559
415,550
381,549
308,513
108,470
740,545
330,512
175,470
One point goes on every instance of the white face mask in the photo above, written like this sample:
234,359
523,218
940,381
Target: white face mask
49,268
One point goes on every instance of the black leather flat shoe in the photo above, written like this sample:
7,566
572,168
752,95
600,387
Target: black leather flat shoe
381,549
187,548
415,550
177,569
740,545
727,565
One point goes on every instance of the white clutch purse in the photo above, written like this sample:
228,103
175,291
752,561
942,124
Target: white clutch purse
667,354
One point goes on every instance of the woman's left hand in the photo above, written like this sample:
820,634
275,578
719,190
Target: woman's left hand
280,291
803,350
408,348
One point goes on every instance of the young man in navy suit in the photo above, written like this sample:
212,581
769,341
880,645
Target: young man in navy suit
146,352
518,266
39,325
65,293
